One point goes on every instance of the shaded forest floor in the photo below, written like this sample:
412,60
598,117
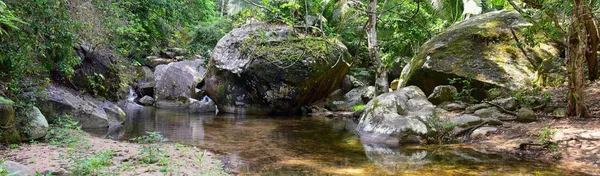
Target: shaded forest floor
572,143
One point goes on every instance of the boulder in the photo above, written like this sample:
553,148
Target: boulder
526,115
35,126
483,49
359,96
98,67
176,83
396,117
442,93
270,69
9,133
146,101
17,168
466,120
204,105
89,111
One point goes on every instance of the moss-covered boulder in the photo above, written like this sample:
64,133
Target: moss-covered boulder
8,132
484,49
271,69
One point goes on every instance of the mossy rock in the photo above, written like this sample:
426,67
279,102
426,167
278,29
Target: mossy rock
8,131
270,69
483,49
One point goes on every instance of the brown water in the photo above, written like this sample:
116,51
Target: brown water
257,145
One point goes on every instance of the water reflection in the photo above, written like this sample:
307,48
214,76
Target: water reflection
308,146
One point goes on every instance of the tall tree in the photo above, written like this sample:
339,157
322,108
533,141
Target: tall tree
381,81
579,39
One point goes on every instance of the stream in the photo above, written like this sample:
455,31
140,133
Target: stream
311,146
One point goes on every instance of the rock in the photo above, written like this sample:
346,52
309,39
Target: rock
493,122
335,101
35,126
98,65
145,89
204,105
153,61
9,133
177,51
18,168
146,101
466,120
273,73
475,107
350,82
481,132
90,112
396,117
145,82
526,115
560,112
510,104
482,49
442,93
492,113
453,106
359,96
176,83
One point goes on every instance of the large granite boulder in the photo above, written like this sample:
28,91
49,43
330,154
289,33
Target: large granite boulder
401,116
176,83
483,49
89,111
271,69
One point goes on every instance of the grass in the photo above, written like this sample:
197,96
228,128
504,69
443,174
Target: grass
358,107
92,165
545,137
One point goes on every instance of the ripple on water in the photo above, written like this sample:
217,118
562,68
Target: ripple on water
312,146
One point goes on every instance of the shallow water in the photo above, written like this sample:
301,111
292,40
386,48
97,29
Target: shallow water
258,145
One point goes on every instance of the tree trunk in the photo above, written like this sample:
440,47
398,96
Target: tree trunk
577,44
381,82
592,45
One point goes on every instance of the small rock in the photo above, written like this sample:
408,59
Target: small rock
475,107
146,100
442,93
489,112
204,105
482,132
453,106
510,104
14,167
560,112
466,120
526,115
494,122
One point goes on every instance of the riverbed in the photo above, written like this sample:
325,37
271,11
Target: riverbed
264,145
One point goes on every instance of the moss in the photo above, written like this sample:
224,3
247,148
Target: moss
6,101
290,49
